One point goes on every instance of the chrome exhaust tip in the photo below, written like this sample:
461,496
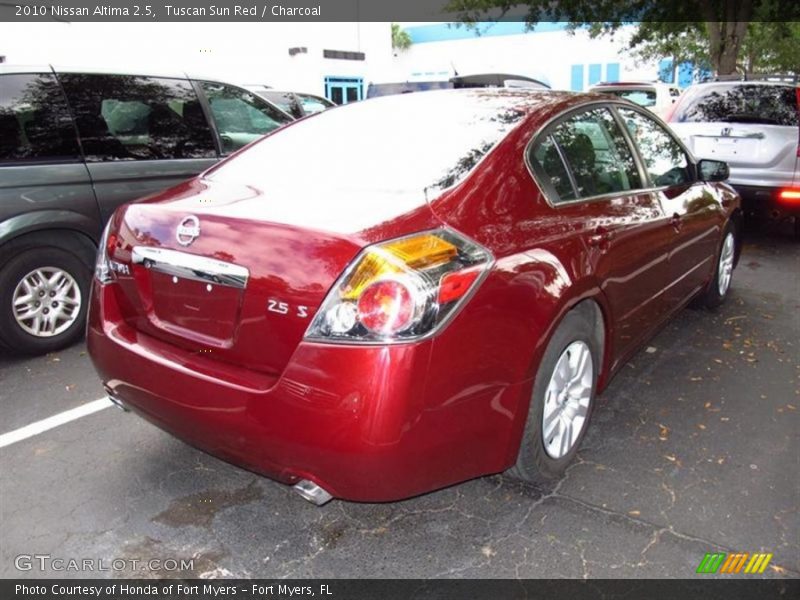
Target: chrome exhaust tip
312,492
116,401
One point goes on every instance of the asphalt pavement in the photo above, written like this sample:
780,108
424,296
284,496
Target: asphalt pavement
694,448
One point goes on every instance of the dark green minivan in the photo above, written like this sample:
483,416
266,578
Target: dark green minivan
74,145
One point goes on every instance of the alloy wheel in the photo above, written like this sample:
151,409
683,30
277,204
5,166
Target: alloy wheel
725,268
567,399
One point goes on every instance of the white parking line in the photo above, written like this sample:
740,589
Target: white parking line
23,433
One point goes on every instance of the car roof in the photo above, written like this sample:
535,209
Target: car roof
281,91
743,82
143,71
620,84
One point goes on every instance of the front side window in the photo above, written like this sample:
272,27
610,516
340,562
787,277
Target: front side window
241,116
34,120
124,117
590,150
664,159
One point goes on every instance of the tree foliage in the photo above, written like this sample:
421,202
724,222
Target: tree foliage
760,32
400,38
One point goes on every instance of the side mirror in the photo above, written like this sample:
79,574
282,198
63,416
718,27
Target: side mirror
713,170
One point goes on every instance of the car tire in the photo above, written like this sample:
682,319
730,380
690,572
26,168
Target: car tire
59,281
719,287
537,462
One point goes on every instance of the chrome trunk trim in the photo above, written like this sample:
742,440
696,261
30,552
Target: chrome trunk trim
191,266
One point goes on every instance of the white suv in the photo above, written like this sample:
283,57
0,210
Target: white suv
754,127
657,97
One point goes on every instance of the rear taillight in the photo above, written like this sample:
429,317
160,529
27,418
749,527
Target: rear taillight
797,98
669,113
102,267
789,196
401,290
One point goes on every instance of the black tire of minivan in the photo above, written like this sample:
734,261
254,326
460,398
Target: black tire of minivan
13,335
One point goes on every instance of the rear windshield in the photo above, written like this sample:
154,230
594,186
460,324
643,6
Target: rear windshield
763,104
406,143
642,97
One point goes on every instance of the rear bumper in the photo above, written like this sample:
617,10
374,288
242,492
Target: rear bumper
765,202
354,420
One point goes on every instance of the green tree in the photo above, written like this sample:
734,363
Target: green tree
768,47
771,48
664,27
400,38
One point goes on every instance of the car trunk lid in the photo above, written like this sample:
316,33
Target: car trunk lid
240,289
749,149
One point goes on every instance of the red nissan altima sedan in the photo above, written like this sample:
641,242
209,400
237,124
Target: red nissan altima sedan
412,291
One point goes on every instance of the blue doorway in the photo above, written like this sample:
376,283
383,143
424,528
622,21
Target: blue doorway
343,90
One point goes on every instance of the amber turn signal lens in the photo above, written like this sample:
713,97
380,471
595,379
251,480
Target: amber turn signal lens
416,252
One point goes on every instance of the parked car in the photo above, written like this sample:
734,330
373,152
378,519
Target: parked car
74,145
477,80
414,315
755,128
658,97
297,104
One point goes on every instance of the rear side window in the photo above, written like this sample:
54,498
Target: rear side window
34,120
762,104
241,116
547,155
664,159
123,117
596,158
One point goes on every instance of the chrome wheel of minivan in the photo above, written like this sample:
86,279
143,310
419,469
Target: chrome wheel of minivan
46,302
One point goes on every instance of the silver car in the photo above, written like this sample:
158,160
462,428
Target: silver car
753,126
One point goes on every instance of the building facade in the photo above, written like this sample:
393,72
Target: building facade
549,52
336,60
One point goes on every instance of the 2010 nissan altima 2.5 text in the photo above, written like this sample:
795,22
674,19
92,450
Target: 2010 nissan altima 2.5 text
405,293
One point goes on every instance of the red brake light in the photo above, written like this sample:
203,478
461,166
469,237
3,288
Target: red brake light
455,285
672,108
790,195
386,307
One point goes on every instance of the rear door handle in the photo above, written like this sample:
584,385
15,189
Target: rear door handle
676,221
